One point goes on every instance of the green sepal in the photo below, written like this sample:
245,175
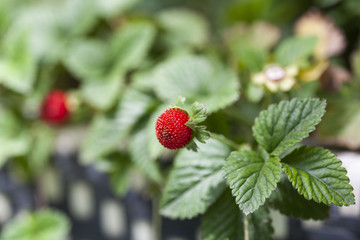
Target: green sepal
197,114
179,103
192,146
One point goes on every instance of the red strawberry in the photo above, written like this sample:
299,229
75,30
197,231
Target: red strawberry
171,130
55,109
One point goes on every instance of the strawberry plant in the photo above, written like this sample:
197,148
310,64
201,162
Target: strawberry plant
212,107
234,186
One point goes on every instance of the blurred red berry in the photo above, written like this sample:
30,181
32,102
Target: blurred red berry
55,109
171,130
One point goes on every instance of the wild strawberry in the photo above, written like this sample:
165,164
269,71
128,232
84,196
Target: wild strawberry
55,109
171,130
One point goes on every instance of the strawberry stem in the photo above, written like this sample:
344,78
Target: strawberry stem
225,140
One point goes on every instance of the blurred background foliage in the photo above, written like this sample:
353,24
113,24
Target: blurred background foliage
122,62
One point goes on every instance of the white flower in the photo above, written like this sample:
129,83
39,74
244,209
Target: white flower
275,77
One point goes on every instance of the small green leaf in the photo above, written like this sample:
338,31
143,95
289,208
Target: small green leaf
177,32
294,49
101,93
77,17
224,220
254,92
50,33
88,59
196,181
340,125
109,8
96,143
317,174
189,76
287,200
252,58
130,44
251,178
12,147
17,65
287,123
41,225
119,173
8,11
102,66
14,139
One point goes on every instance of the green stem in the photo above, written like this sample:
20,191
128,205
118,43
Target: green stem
228,142
224,140
156,217
246,228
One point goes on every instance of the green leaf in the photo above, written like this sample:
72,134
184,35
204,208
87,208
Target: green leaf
294,49
12,147
130,44
251,58
102,66
41,225
317,174
18,65
224,220
109,8
88,59
96,143
106,134
251,178
189,76
254,92
287,123
287,200
195,181
52,25
101,93
14,139
142,79
8,10
176,24
260,227
74,18
341,126
140,155
119,173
